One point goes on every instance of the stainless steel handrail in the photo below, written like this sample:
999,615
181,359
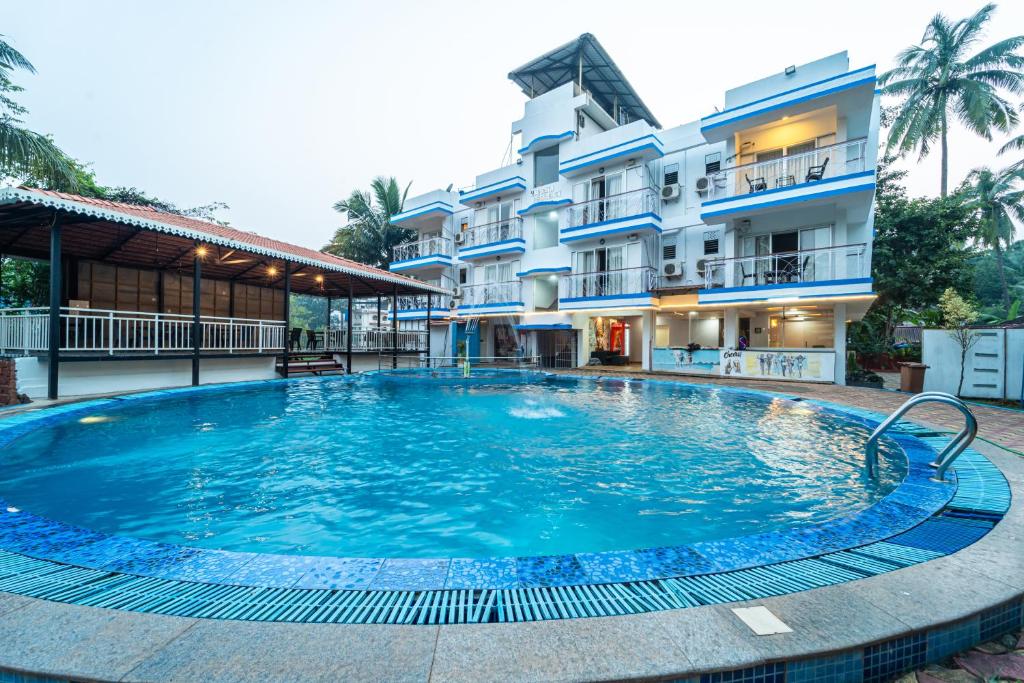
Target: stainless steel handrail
947,455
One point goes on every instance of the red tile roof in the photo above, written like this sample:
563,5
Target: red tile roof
145,216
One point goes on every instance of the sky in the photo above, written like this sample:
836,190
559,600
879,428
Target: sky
281,109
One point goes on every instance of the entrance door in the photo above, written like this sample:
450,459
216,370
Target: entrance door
785,266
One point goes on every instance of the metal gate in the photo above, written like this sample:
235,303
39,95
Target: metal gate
556,348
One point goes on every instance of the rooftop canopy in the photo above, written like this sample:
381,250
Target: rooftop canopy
143,237
584,57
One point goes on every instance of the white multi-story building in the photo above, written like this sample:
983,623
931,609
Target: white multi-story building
612,239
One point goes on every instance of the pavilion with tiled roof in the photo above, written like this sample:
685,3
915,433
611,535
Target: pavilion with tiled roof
141,260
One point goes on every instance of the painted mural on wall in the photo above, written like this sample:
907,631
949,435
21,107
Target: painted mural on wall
797,365
680,359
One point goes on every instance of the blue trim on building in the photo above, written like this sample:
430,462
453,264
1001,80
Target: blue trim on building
496,304
539,271
588,226
487,249
472,195
549,136
598,160
787,92
788,188
547,202
613,231
607,297
746,299
790,285
415,262
789,103
553,326
802,198
443,207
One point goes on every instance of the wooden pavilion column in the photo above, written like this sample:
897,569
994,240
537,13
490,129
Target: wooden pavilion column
197,322
287,318
394,328
429,302
378,312
53,352
348,330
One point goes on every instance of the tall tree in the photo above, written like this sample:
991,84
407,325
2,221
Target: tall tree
22,151
996,198
369,237
937,78
1015,144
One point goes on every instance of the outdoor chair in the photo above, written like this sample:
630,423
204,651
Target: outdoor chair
744,275
757,184
816,172
295,338
310,339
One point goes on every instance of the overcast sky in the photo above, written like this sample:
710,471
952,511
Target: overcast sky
280,109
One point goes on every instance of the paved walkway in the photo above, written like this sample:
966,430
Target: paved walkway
1002,426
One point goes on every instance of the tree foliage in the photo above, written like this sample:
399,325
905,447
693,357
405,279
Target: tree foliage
369,237
997,199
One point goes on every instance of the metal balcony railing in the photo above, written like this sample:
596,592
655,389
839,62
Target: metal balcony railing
624,205
438,302
809,265
26,330
607,283
489,233
492,293
432,246
377,339
835,160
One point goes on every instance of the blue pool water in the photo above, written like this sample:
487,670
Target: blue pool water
382,466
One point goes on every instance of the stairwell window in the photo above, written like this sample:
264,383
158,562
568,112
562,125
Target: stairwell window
545,166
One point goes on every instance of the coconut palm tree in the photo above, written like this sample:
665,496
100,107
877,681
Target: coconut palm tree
24,153
369,237
1014,144
998,198
938,78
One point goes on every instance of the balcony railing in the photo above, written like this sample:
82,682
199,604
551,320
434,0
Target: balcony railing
632,203
432,246
377,339
489,233
825,162
438,302
809,265
26,330
607,283
492,293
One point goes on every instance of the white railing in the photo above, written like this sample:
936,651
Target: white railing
607,283
489,233
809,265
119,332
432,246
508,292
438,303
839,159
632,203
377,339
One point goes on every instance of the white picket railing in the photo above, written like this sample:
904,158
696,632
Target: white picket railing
607,283
377,339
91,330
825,162
809,265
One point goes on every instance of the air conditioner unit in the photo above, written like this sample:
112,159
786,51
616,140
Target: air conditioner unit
670,193
460,238
672,269
702,267
703,184
457,293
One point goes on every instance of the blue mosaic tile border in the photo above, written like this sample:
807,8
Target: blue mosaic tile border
913,502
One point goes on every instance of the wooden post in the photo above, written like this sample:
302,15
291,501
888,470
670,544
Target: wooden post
197,323
53,379
287,317
348,330
429,302
394,328
378,312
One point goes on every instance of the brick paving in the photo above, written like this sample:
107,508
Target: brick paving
1002,426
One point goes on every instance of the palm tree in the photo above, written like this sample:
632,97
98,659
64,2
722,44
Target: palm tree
24,153
997,199
369,236
938,78
1014,144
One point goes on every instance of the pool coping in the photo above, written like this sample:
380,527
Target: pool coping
914,500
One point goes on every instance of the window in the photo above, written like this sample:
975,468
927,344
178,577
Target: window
462,275
712,163
545,166
671,174
710,242
668,248
545,230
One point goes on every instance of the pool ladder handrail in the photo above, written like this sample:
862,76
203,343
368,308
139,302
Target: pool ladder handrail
947,455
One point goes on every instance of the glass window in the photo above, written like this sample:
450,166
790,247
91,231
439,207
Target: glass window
545,166
545,230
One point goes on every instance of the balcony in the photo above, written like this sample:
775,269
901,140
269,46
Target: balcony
491,239
491,297
829,271
87,331
623,288
377,339
415,307
838,169
629,212
433,252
